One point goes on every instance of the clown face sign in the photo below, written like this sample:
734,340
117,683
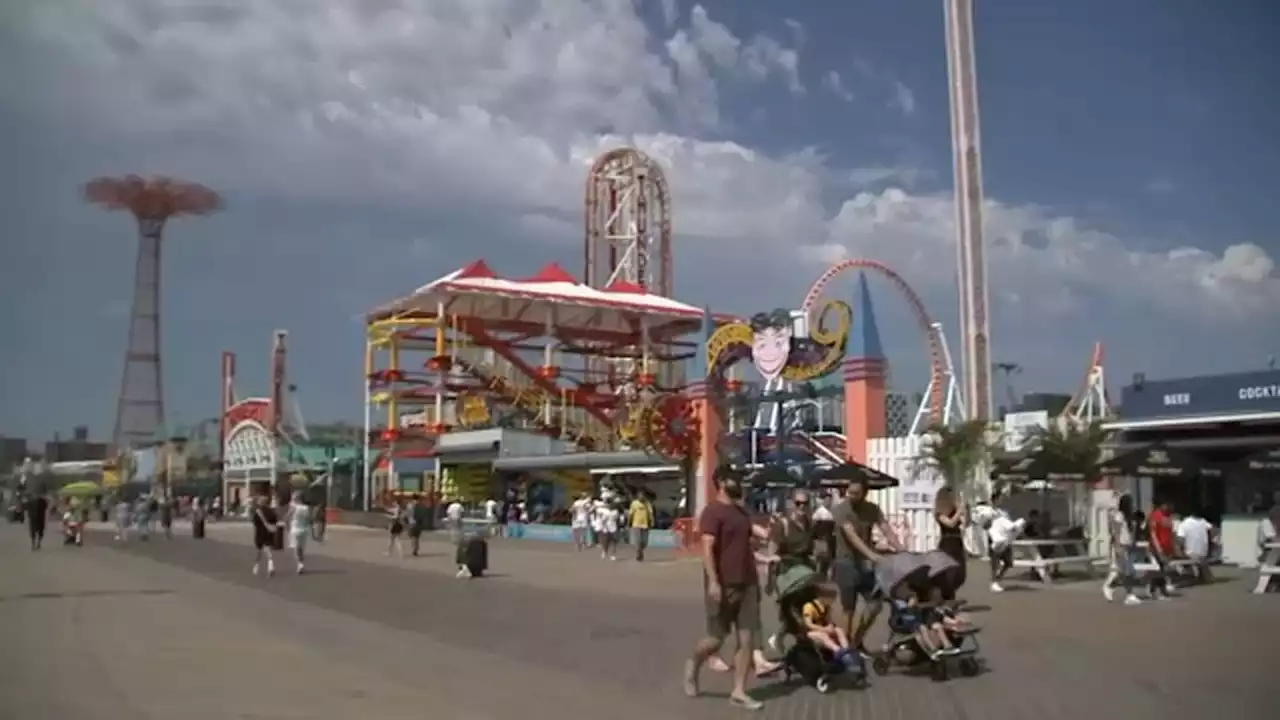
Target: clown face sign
771,344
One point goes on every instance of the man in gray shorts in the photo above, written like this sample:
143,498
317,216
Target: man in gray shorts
853,569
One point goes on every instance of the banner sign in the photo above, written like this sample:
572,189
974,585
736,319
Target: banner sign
1237,393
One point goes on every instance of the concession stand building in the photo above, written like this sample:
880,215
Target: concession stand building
1230,422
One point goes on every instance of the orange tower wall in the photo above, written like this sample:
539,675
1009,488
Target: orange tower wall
864,407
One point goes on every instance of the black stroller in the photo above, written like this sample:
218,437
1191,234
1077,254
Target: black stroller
906,577
796,586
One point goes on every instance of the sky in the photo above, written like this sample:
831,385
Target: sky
366,147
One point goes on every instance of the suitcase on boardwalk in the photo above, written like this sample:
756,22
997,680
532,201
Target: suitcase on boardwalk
197,529
473,554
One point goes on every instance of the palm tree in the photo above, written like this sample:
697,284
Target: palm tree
957,451
1076,444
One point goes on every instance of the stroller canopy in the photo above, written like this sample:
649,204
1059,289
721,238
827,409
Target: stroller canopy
900,568
939,562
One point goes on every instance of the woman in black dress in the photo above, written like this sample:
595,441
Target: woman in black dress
395,545
949,513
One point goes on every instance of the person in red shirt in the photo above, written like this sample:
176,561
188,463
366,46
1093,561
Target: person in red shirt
1160,539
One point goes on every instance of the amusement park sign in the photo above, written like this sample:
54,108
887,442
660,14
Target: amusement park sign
1208,395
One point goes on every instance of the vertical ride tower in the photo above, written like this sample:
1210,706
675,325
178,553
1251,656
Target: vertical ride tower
627,242
152,202
966,148
628,223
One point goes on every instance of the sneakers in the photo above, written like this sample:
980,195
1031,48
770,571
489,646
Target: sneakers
1108,592
775,641
1132,600
463,572
997,587
301,568
271,569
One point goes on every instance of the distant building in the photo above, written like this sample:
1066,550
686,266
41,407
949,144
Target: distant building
77,449
1052,403
12,452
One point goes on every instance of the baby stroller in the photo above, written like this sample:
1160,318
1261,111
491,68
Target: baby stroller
911,585
796,586
72,530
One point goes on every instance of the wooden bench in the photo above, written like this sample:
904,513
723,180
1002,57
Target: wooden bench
1268,567
1029,554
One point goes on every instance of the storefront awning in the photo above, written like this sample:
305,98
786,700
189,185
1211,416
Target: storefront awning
578,461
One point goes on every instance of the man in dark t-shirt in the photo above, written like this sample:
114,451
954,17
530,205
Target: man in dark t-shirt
732,588
853,569
37,514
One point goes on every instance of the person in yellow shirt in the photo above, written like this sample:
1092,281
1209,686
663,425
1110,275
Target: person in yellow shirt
816,614
640,520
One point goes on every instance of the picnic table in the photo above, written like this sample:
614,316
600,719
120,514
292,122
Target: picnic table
1268,566
1044,556
1145,562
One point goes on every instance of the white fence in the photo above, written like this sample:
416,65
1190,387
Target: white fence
908,507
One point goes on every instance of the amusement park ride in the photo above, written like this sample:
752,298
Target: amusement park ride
613,363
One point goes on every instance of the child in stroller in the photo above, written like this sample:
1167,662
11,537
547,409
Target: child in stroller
819,650
922,627
72,528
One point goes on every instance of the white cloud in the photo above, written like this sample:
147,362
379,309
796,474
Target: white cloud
903,99
835,85
499,106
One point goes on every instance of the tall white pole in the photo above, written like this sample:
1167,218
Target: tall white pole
975,330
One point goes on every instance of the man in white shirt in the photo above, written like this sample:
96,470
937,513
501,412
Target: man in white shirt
609,522
1001,532
580,518
1196,536
491,515
597,509
453,514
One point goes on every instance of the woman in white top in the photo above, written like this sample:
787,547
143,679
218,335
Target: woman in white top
299,529
1268,533
1122,525
580,517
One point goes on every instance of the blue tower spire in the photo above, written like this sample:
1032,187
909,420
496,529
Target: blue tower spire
865,340
700,368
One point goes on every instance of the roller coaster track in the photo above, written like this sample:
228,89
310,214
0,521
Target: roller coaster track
542,409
